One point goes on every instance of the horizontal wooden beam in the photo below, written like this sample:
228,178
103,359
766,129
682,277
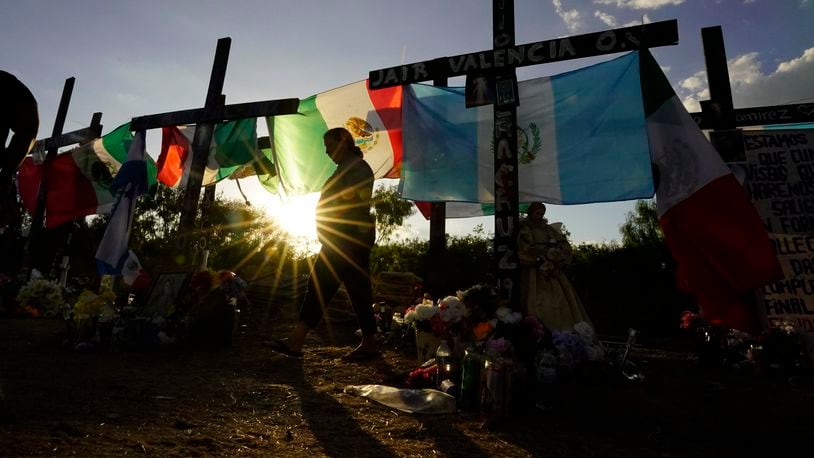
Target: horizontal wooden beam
228,113
83,135
759,116
664,33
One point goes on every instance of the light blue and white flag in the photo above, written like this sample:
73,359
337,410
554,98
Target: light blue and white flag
129,183
581,138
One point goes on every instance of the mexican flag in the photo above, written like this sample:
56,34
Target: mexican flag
372,117
233,144
711,227
78,182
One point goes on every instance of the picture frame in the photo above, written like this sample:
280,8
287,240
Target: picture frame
165,291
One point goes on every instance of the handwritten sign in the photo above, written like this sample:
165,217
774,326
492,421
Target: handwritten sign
509,57
780,181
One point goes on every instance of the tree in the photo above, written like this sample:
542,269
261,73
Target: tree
641,227
390,211
236,235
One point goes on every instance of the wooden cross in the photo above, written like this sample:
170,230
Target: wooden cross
215,110
51,145
719,114
499,64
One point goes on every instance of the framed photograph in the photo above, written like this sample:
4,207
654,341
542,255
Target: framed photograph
165,291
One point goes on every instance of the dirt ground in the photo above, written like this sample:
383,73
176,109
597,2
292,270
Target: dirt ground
247,400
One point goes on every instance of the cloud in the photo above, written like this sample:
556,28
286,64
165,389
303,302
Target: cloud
570,17
608,19
645,19
639,4
789,83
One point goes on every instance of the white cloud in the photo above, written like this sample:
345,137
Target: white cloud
639,4
608,19
695,82
789,83
665,68
645,19
794,64
692,90
570,17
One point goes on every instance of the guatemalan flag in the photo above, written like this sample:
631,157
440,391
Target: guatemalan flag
113,256
581,139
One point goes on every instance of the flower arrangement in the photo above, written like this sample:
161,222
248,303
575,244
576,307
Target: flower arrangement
590,342
499,347
40,297
90,304
570,348
421,315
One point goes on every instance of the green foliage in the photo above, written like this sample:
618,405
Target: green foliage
237,236
390,211
401,256
641,228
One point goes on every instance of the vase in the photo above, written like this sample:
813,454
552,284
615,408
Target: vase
425,344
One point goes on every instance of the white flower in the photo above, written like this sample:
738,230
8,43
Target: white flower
506,315
410,317
453,309
425,312
585,332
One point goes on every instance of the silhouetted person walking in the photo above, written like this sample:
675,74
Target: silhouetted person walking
346,230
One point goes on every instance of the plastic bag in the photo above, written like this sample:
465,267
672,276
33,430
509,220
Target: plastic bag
425,400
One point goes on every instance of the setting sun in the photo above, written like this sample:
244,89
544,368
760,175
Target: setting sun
296,216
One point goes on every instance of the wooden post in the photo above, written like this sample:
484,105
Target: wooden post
84,135
436,272
506,173
215,110
35,232
203,138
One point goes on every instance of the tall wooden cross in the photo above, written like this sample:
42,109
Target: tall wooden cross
214,111
51,145
719,113
499,63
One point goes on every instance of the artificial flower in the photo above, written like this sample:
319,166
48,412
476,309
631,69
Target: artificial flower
41,294
482,330
506,315
452,309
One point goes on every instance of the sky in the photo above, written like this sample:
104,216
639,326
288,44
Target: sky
133,58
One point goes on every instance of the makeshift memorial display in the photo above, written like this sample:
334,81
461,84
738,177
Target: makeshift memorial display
40,297
164,293
92,310
443,359
470,377
495,386
421,318
212,315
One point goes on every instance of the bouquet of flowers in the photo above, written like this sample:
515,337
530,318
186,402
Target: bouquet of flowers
424,317
570,349
480,302
40,297
90,304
